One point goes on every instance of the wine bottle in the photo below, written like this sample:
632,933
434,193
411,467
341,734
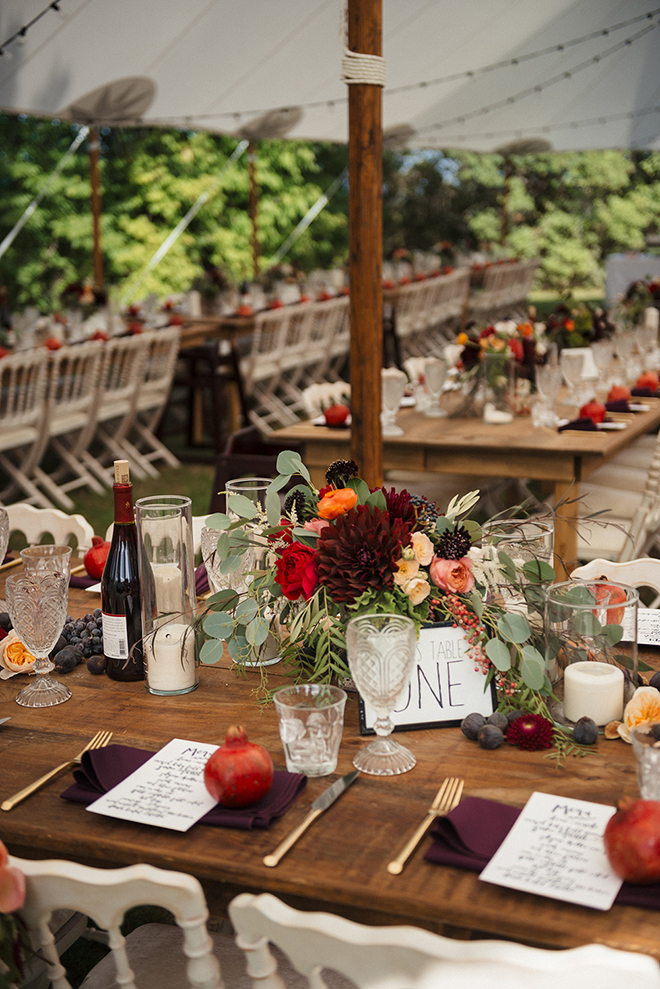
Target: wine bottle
120,588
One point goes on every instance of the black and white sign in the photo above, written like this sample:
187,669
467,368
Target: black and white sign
444,686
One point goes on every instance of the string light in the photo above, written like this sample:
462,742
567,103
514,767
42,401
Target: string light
19,35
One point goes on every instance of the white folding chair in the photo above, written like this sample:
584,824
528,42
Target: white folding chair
105,895
162,348
396,957
23,378
643,572
35,523
261,370
70,417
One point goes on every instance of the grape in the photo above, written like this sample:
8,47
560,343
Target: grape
88,618
91,626
97,612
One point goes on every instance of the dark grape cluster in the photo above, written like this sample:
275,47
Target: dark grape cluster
86,632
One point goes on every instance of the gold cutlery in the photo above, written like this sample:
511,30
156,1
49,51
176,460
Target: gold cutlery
11,563
78,569
321,803
447,797
99,741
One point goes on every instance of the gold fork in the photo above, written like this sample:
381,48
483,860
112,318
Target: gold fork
99,741
447,797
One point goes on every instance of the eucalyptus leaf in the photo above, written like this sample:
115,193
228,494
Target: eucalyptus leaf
613,634
225,599
499,654
538,572
247,610
586,623
222,548
477,603
219,624
361,489
211,652
256,632
239,648
442,525
532,673
377,500
230,564
218,521
514,627
507,566
273,505
289,462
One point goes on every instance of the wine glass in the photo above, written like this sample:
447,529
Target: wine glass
37,607
571,363
548,383
435,372
4,533
394,383
381,655
602,352
624,344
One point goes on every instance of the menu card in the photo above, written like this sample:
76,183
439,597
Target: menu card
556,849
167,791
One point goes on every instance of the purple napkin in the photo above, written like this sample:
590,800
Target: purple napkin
82,580
644,393
584,422
102,769
201,580
620,405
469,836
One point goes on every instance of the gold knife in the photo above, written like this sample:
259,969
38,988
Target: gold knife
321,803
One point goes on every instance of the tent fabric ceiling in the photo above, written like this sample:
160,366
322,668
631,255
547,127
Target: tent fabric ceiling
477,74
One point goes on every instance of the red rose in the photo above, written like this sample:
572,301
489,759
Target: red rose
295,571
285,534
487,332
516,348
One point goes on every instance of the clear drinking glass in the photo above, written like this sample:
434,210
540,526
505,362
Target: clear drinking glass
523,541
602,352
572,364
435,372
548,384
311,721
394,383
647,756
47,557
37,605
624,345
4,534
381,656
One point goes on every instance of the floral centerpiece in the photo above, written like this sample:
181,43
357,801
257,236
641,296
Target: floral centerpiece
640,295
14,942
346,550
576,324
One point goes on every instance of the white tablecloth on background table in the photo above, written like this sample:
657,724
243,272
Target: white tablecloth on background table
622,269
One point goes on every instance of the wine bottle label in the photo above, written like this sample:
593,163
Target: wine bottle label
115,636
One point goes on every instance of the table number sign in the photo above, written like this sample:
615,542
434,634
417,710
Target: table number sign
444,686
167,791
556,849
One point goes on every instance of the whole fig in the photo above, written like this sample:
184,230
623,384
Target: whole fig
585,732
498,719
490,737
471,725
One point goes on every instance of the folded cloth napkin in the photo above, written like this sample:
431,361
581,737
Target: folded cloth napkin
102,769
619,405
201,580
644,393
469,836
584,422
82,580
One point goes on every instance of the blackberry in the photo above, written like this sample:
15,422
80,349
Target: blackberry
454,545
340,471
426,511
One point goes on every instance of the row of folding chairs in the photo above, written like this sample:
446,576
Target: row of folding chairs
77,409
427,313
290,348
504,293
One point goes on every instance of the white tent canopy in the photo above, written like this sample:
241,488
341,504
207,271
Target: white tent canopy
477,74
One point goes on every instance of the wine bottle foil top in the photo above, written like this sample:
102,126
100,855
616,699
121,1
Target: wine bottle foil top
122,472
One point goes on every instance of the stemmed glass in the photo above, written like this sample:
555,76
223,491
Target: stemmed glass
381,656
394,384
4,533
624,344
548,383
435,372
37,607
602,352
572,363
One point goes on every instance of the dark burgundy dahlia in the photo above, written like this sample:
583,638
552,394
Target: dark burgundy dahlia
530,732
358,552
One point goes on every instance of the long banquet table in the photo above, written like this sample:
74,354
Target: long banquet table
469,446
340,862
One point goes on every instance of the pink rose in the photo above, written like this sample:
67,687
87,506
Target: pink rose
316,525
454,576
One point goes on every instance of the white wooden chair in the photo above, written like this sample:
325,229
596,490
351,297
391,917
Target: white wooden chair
162,348
396,957
198,523
261,370
70,417
22,422
35,523
643,572
105,895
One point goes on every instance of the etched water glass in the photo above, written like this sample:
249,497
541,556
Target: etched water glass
548,384
37,604
435,372
381,657
394,384
311,721
4,534
571,363
49,556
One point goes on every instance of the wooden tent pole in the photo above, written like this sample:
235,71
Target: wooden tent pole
95,182
365,237
254,206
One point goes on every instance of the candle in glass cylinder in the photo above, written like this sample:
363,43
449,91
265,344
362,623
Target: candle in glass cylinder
169,588
170,658
593,690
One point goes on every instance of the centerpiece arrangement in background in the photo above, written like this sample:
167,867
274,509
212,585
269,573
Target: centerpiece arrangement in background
344,551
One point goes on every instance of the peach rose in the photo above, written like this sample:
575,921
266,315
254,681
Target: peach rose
417,589
316,525
407,569
642,710
336,503
422,548
454,576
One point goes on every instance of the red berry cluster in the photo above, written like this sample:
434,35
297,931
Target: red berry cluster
475,632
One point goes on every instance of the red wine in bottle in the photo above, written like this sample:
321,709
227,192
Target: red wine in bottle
120,588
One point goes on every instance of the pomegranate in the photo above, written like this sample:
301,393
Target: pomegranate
648,380
618,393
336,415
593,410
240,772
632,840
52,343
95,557
610,594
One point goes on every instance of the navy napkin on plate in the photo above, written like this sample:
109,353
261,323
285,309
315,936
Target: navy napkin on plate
584,422
82,580
644,393
102,769
620,405
469,836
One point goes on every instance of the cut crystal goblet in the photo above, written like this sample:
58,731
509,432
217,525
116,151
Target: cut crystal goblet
37,607
381,656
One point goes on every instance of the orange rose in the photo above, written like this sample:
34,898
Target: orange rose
336,503
454,576
569,325
526,330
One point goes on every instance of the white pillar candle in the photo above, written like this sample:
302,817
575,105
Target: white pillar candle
170,655
593,690
168,583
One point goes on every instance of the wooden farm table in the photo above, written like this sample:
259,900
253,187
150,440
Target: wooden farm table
469,446
340,862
